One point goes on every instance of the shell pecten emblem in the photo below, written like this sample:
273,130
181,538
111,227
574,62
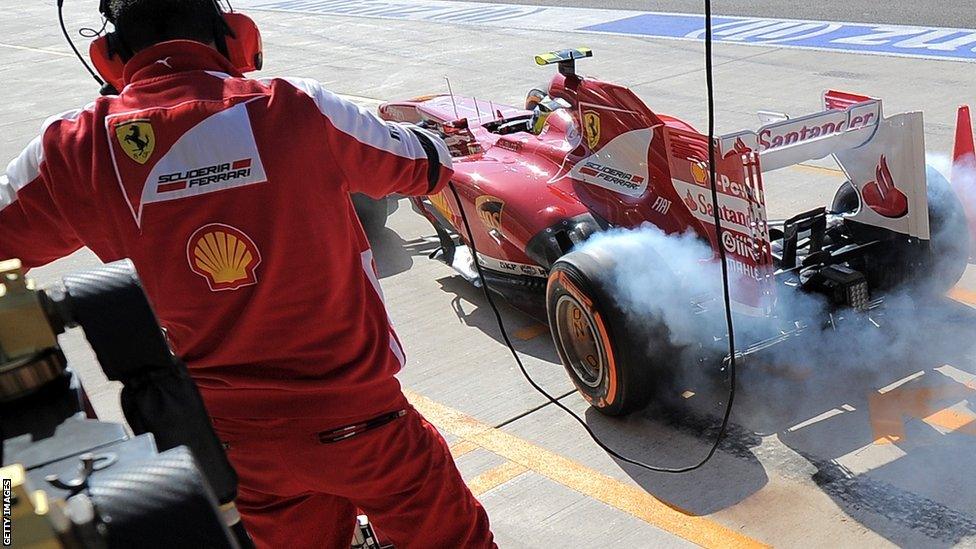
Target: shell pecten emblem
223,255
699,171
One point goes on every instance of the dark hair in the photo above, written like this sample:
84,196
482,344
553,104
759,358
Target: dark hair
143,23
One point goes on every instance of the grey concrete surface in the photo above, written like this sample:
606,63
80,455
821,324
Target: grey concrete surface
941,13
800,467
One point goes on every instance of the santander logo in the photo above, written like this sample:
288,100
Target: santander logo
882,196
738,148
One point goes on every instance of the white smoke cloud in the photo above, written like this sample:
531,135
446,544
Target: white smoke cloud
961,175
659,276
675,280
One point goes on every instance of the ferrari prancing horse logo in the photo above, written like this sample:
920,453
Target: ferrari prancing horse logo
591,128
137,139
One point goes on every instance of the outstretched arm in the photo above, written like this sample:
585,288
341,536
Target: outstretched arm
380,158
32,228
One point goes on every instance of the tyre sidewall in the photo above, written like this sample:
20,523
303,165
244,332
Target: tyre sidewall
631,373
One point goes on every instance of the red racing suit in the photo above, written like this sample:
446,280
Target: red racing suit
231,197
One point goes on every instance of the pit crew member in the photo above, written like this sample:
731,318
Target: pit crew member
231,197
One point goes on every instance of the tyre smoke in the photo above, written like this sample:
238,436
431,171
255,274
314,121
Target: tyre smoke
674,283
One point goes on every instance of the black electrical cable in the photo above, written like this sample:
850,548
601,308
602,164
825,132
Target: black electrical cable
725,290
64,31
88,32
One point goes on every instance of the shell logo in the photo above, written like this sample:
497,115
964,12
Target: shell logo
699,171
223,255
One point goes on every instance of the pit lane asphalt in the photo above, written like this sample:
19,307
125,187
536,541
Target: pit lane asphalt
810,461
946,13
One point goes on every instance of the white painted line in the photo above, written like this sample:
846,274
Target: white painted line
863,38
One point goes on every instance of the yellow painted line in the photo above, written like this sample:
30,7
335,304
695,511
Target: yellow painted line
962,295
531,332
462,447
819,169
610,491
38,50
495,477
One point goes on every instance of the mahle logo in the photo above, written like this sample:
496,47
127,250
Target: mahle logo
137,139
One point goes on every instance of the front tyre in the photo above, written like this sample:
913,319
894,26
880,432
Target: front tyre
607,359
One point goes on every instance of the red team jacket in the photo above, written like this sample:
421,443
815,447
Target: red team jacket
231,197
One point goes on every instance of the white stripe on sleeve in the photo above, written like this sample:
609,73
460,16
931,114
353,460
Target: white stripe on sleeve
27,166
21,171
365,126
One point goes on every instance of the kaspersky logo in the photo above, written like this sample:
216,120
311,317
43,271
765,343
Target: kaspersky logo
223,255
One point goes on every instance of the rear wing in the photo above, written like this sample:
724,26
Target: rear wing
883,157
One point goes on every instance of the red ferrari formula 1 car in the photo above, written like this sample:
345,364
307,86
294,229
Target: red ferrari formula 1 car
586,156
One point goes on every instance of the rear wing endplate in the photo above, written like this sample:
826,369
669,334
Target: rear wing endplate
883,157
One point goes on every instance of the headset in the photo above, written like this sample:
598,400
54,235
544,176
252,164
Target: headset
236,36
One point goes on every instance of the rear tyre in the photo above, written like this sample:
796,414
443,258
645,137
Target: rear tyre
605,355
846,199
933,268
944,263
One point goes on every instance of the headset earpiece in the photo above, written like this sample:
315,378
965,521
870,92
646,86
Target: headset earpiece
236,36
108,52
108,60
243,42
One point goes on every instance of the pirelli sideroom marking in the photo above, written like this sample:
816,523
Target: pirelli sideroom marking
864,38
